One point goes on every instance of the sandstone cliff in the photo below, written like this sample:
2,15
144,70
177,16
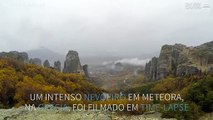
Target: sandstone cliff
72,63
179,60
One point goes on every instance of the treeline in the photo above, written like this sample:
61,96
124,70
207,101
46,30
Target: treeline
196,90
19,80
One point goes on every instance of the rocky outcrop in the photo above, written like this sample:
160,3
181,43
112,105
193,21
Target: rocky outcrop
151,69
85,69
72,63
187,70
57,65
180,60
46,64
35,61
19,56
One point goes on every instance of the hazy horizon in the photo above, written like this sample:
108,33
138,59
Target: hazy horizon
94,27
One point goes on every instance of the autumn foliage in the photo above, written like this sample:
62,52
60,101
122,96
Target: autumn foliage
18,80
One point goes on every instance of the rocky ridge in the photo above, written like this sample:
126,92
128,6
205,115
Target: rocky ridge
19,56
179,60
71,64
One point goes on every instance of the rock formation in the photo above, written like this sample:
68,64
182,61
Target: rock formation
72,63
180,60
85,69
35,61
46,64
151,69
57,65
19,56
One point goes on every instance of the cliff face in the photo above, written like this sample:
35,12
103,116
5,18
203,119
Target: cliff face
19,56
72,63
57,65
180,60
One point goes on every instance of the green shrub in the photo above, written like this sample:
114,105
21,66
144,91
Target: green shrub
201,93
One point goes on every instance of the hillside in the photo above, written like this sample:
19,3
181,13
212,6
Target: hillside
18,80
46,54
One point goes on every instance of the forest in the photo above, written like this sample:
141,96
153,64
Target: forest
19,80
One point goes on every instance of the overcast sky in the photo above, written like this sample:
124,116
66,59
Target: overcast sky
95,27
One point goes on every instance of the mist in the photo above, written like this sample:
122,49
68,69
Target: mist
102,28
